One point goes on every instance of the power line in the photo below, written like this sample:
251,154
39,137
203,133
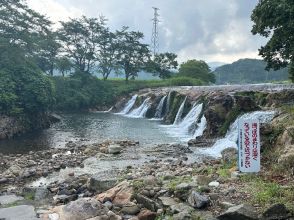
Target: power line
155,35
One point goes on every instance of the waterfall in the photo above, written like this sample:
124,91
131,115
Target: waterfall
180,112
185,130
140,112
129,105
231,138
159,109
201,126
167,103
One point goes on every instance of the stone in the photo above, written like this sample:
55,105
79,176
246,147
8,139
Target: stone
108,204
180,207
98,184
198,201
203,180
229,155
167,201
182,216
147,215
16,170
81,209
277,211
130,209
121,194
18,212
226,205
3,180
147,203
214,184
114,149
8,199
240,212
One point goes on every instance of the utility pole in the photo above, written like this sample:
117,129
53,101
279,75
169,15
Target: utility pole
154,39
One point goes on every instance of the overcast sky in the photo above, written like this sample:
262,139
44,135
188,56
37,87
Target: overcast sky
210,30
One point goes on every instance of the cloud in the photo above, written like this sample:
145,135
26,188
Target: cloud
211,30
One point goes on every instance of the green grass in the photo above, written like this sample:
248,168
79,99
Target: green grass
171,185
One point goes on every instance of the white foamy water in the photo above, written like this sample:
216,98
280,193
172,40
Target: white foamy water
231,138
180,112
141,111
159,109
200,128
129,105
186,128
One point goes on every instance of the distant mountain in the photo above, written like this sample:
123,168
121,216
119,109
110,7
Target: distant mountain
214,65
248,71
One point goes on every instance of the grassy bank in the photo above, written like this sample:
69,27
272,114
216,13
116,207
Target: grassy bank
80,92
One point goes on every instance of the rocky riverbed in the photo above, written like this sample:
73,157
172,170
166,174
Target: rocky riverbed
166,186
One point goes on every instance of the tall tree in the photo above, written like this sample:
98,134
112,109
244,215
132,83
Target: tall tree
64,65
108,53
133,54
197,69
274,19
81,38
162,65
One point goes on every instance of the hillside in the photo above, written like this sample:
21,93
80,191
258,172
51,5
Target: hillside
248,71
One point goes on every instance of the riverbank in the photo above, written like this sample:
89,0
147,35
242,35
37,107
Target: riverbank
167,186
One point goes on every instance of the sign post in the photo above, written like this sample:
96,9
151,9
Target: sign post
249,146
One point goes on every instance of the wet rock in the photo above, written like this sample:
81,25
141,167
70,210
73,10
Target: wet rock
147,203
114,149
198,201
277,212
100,184
240,212
147,215
18,212
81,209
130,209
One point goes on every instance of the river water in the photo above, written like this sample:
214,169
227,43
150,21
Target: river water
89,128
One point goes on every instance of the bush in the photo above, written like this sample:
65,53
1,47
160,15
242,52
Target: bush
184,81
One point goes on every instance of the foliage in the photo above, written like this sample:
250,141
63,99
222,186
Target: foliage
197,69
275,20
248,71
81,38
133,54
162,65
63,65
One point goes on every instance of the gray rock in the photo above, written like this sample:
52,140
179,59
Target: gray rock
147,203
198,201
108,204
100,184
114,149
167,201
214,184
229,155
24,212
180,207
277,211
8,199
3,180
83,208
182,216
240,212
130,210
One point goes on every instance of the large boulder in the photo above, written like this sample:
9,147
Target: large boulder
114,149
147,203
240,212
197,200
18,212
100,184
121,194
277,211
81,209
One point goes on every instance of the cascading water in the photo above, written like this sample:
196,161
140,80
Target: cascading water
201,126
231,138
180,112
168,103
186,128
159,109
129,105
140,112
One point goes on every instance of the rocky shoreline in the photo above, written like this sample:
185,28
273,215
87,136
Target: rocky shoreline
167,187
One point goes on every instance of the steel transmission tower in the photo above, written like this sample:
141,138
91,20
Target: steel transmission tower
155,35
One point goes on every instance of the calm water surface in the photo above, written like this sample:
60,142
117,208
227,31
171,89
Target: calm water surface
89,127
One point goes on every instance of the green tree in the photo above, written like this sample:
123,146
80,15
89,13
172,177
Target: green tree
274,19
162,65
197,69
81,39
108,53
64,65
133,55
